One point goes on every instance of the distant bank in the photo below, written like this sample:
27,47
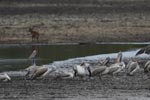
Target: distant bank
74,21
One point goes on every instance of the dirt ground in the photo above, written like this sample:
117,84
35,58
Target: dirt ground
77,21
120,87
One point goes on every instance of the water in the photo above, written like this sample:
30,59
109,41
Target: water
14,57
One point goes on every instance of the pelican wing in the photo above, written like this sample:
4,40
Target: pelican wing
147,64
2,77
98,70
136,69
132,67
129,64
39,72
140,51
113,68
31,70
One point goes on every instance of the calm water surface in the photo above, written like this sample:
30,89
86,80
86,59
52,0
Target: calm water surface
14,57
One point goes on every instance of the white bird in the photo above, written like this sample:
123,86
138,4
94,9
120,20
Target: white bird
81,70
31,69
117,67
114,68
43,71
100,68
147,67
32,56
4,77
132,67
64,74
98,71
105,62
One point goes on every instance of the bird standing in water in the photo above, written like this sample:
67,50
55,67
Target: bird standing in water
33,55
31,69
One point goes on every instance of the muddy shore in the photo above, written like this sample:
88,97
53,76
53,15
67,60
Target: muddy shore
85,21
120,87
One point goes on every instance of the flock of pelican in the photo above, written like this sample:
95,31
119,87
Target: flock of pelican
85,69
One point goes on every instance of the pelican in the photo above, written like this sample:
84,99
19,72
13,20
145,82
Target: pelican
132,67
98,71
147,67
117,67
100,68
65,74
4,77
145,50
43,71
31,69
82,70
104,62
33,55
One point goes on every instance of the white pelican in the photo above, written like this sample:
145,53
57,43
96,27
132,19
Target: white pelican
105,62
147,67
100,68
43,71
98,71
117,67
132,67
4,77
32,56
31,69
64,74
81,70
145,50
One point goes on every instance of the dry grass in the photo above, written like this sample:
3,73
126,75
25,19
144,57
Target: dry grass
101,22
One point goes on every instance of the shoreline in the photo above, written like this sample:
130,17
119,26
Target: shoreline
97,43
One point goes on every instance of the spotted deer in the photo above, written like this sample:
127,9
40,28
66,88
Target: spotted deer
35,35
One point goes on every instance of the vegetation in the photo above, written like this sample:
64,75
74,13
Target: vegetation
69,21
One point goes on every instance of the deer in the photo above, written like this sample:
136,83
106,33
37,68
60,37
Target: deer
35,35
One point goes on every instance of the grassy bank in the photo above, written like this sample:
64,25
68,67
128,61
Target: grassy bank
75,21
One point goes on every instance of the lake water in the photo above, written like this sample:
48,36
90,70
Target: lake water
15,57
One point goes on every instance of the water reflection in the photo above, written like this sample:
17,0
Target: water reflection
15,57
